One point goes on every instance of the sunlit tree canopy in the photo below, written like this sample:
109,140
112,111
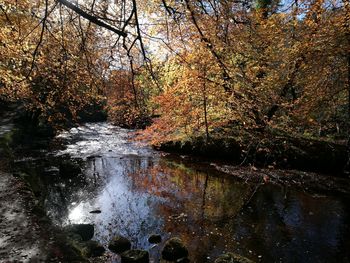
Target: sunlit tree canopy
188,68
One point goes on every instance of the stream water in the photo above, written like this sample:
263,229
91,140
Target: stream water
140,191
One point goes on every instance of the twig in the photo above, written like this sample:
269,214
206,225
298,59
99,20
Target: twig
40,40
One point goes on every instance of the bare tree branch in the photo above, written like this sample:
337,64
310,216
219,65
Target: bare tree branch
40,39
6,16
91,18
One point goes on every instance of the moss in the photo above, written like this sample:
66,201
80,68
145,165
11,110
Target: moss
6,142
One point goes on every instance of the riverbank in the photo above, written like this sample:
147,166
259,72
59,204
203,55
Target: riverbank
268,150
27,234
19,238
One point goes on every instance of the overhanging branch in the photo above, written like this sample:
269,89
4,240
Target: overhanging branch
91,18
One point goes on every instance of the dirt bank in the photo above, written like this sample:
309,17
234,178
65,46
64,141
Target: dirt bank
20,238
268,149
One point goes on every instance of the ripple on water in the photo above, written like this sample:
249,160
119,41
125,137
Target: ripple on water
99,139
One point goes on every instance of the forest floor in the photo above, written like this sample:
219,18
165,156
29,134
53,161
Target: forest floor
21,237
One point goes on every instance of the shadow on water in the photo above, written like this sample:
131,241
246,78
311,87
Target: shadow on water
140,192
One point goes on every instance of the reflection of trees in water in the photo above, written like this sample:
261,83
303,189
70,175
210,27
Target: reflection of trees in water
139,196
204,197
194,203
126,210
294,226
212,214
57,191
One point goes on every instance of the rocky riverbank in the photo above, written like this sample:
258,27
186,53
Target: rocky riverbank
27,235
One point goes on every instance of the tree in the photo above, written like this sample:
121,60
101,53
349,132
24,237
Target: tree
224,64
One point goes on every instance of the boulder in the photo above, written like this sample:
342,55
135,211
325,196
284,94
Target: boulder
93,249
174,250
85,231
155,239
232,258
119,244
135,256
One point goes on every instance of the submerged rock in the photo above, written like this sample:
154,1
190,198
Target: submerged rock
232,258
135,256
174,250
155,239
119,244
97,211
85,231
93,249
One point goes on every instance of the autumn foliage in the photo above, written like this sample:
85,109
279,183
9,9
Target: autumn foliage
197,68
257,68
53,76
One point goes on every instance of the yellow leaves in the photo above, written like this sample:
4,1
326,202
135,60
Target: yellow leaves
58,82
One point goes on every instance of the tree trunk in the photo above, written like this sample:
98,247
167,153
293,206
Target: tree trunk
347,35
205,109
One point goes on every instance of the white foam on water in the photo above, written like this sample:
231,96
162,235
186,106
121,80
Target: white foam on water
100,139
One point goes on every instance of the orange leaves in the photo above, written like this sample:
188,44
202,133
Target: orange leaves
294,60
190,101
64,78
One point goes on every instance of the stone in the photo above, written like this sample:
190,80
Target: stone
174,250
232,258
97,211
86,231
155,239
119,244
93,249
135,256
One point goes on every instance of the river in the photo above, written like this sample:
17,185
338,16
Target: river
140,192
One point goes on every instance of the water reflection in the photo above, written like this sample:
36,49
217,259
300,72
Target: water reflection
140,193
209,212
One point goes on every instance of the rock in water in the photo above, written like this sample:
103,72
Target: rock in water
174,249
135,256
86,231
97,211
232,258
155,239
119,244
93,249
